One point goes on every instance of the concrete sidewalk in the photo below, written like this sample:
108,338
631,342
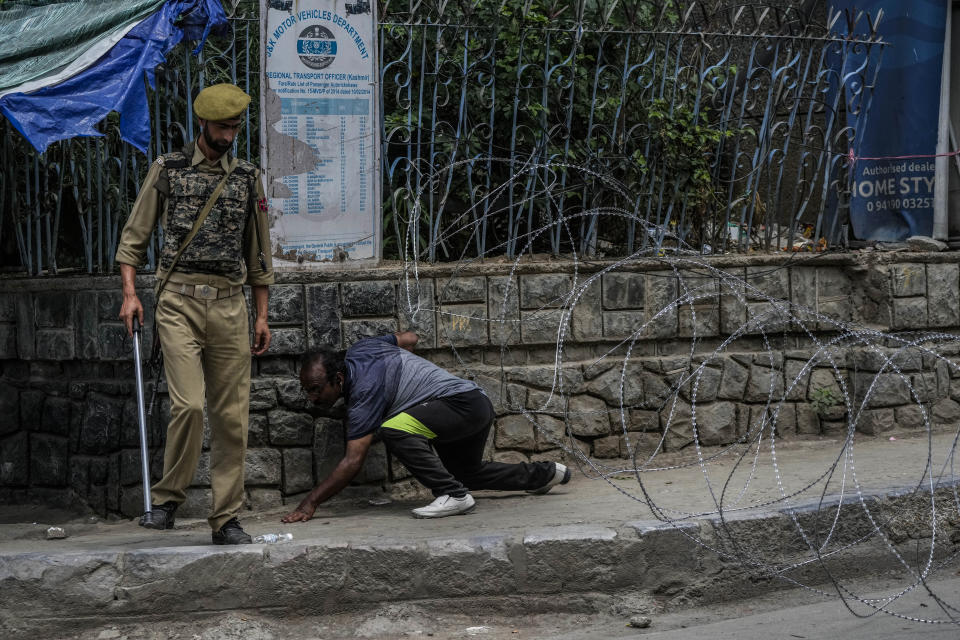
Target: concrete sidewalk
589,536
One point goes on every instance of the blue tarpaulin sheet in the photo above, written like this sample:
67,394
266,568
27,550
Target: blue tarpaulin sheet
115,81
39,39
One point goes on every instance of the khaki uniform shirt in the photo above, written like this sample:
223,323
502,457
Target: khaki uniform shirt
151,204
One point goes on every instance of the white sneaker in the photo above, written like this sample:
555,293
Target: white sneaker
561,475
446,506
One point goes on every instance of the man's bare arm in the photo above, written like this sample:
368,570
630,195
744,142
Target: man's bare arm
339,478
131,303
261,330
406,340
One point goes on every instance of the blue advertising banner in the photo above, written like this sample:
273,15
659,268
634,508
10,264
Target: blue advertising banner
892,194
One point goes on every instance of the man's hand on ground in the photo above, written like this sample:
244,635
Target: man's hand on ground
342,474
300,514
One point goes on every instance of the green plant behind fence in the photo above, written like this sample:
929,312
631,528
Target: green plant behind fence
587,126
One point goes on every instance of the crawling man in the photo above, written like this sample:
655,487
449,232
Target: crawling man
433,422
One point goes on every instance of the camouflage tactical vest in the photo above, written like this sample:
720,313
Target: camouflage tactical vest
218,246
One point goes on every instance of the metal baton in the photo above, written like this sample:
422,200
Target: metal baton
142,417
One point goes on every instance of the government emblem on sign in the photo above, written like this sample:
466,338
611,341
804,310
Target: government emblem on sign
317,47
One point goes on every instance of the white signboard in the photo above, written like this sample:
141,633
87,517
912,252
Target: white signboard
320,134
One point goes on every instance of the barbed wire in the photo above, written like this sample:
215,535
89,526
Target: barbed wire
835,491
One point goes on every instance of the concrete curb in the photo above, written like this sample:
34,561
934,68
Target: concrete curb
325,575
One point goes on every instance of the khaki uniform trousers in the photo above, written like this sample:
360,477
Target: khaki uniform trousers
206,353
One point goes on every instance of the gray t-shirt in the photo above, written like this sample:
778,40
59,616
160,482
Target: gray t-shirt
384,380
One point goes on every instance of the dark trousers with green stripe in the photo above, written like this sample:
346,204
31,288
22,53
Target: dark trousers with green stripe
452,462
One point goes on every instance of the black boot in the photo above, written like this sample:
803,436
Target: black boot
160,516
231,533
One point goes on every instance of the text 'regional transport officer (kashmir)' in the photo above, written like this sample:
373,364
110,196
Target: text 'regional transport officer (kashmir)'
201,313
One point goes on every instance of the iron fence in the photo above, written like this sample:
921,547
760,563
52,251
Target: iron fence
590,126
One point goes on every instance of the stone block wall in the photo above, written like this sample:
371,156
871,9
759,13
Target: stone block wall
607,360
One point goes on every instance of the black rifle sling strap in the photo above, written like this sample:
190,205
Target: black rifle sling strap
255,218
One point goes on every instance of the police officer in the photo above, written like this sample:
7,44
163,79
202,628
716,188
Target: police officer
201,314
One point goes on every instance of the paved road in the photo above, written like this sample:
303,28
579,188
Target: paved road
770,619
781,616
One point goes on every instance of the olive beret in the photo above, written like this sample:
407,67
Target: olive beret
220,102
